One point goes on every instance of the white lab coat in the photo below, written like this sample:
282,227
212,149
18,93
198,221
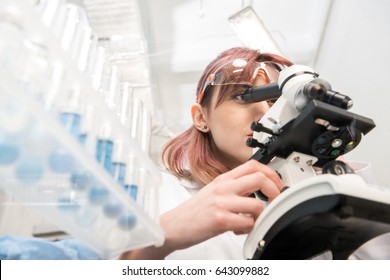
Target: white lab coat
229,246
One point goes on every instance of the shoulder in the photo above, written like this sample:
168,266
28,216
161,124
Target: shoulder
171,181
173,191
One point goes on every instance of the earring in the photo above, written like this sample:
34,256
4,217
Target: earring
205,127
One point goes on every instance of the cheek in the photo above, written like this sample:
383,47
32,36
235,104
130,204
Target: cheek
230,137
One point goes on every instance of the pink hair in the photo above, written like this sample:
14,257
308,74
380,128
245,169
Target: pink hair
191,155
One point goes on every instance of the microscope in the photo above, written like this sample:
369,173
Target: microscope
324,206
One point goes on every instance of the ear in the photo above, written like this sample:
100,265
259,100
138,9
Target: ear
198,118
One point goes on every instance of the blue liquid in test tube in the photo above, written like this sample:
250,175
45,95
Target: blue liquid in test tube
71,122
118,162
118,172
104,153
104,146
82,139
132,190
131,180
85,135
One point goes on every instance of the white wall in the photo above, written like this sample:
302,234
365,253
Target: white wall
355,58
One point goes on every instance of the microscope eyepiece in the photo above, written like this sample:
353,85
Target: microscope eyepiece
261,93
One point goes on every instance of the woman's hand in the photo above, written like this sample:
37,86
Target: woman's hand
223,205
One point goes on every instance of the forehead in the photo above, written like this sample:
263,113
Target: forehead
222,92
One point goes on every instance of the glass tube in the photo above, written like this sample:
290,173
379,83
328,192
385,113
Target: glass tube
87,127
96,66
34,75
68,30
70,115
119,162
131,179
104,146
136,120
49,10
146,126
54,86
112,94
126,104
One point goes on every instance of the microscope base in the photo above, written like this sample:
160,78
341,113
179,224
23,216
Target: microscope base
322,213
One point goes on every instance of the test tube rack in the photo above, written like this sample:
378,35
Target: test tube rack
45,167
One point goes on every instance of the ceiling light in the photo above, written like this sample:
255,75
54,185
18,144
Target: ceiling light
251,30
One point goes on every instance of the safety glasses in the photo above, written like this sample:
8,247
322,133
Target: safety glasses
243,72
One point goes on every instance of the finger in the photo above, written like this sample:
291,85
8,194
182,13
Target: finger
252,166
254,182
244,205
239,223
244,169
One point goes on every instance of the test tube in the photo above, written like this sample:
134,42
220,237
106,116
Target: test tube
142,186
112,94
87,127
49,10
34,75
58,24
81,40
70,115
12,52
71,18
150,193
131,180
136,120
119,162
126,105
81,52
96,67
146,127
104,146
57,78
128,220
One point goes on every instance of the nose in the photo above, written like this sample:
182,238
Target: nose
259,109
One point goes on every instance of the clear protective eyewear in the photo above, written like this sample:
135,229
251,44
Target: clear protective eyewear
243,72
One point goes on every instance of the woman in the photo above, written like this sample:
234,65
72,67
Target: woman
210,159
